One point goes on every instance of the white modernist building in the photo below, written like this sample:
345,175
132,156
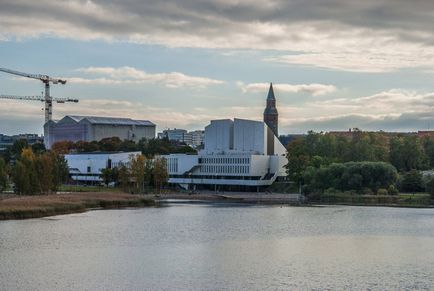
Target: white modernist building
238,154
86,167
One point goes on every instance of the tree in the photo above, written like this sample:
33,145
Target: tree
428,145
106,176
20,178
110,144
44,166
38,148
407,153
3,175
430,187
60,171
138,164
160,173
62,147
298,160
412,182
351,176
124,176
110,175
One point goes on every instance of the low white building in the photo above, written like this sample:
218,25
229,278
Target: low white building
86,167
238,154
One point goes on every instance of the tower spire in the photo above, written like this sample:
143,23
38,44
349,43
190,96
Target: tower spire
271,93
270,113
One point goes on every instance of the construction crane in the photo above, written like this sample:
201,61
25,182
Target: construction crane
46,98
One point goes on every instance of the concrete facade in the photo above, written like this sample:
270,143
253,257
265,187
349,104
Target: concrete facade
86,167
90,128
236,153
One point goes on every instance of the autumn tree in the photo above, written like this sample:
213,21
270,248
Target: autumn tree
62,147
159,172
137,166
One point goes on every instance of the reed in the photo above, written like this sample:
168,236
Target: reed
23,207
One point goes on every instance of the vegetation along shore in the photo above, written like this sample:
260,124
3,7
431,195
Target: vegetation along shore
22,207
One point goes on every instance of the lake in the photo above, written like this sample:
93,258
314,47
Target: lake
221,247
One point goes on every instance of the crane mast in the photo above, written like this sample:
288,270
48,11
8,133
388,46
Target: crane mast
47,99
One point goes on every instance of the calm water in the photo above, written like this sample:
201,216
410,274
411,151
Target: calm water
203,247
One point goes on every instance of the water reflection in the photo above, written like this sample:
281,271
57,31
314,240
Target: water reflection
196,247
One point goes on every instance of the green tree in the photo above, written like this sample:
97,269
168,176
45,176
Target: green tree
430,187
350,176
298,159
60,171
110,175
3,175
124,177
20,178
428,145
412,182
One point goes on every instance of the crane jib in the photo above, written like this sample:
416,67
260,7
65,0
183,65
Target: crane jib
46,98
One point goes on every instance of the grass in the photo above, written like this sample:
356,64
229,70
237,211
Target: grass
47,205
402,199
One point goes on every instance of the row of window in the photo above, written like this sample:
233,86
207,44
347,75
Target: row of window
172,165
232,169
224,160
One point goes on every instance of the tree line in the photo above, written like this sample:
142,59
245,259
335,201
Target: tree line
148,147
312,158
34,173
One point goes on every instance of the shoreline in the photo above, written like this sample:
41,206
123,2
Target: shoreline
13,207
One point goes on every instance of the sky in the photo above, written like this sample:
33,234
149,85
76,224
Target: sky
334,64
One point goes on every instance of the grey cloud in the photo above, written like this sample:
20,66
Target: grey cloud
403,122
136,16
332,34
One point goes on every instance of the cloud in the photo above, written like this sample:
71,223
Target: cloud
313,89
129,75
360,36
394,110
406,122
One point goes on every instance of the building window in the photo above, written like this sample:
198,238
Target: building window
88,169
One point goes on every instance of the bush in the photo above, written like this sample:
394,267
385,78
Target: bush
382,191
367,191
392,190
364,177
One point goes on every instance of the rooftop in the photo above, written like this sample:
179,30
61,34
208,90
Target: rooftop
110,120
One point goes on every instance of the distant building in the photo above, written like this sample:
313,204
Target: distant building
239,154
90,128
197,137
8,140
175,134
86,167
350,133
271,117
191,138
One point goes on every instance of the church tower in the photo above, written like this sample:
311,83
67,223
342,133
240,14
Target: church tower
270,112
